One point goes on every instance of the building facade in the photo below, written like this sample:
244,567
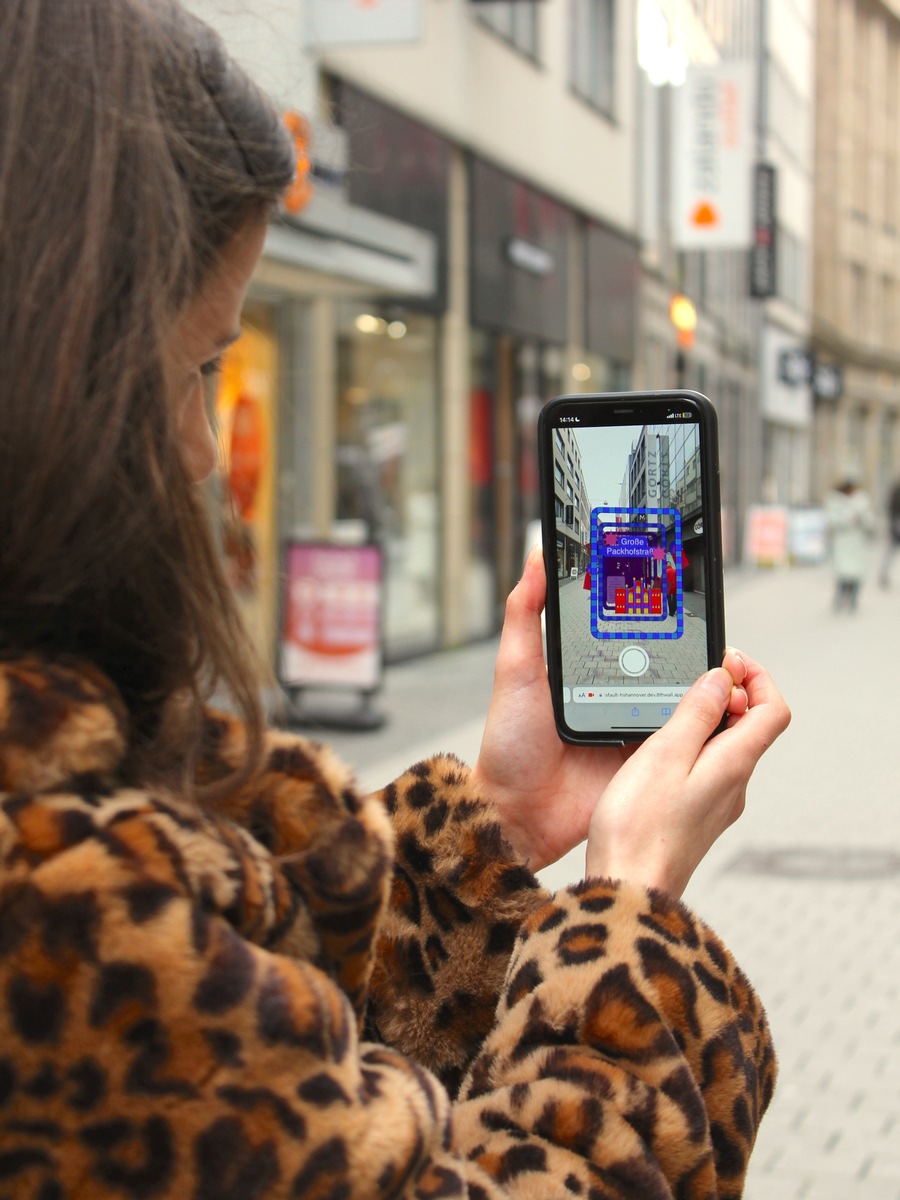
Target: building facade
856,315
490,225
468,252
572,507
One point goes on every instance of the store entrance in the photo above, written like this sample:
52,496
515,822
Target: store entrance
512,378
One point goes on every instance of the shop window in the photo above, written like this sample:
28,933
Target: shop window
593,52
387,460
516,21
246,417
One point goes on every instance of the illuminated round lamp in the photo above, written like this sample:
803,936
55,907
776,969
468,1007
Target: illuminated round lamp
367,323
582,372
683,316
396,329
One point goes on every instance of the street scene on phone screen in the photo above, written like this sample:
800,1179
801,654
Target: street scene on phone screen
632,612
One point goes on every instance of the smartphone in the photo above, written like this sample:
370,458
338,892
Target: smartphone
631,529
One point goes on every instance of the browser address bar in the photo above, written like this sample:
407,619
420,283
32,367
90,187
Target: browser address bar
621,695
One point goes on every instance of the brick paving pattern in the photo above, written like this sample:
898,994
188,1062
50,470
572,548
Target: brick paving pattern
671,661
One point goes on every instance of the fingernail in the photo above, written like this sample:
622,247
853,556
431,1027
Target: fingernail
737,654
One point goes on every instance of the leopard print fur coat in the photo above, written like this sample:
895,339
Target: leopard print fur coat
303,992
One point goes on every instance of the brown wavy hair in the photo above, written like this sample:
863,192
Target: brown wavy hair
132,149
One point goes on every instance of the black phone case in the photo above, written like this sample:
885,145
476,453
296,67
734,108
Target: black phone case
712,525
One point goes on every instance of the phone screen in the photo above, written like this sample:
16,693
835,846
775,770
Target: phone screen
637,565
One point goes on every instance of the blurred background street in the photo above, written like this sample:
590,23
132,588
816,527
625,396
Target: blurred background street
805,888
502,200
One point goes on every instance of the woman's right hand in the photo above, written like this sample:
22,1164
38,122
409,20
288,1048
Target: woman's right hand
681,789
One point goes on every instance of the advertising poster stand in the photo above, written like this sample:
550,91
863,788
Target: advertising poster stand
331,642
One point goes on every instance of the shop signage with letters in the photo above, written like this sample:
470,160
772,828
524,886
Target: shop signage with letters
796,366
331,629
529,257
763,261
766,540
711,158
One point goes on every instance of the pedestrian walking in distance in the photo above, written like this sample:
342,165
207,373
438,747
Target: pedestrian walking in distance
893,534
226,972
851,525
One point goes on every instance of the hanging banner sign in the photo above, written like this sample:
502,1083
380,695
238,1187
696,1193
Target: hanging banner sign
364,22
713,117
331,627
763,251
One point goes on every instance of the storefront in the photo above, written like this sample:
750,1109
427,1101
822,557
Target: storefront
387,458
328,404
247,415
388,359
520,317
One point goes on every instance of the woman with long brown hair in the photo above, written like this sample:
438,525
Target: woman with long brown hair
224,973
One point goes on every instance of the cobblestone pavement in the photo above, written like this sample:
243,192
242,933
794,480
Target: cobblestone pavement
805,888
671,660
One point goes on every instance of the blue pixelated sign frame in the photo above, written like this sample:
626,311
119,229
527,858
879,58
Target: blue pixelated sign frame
598,518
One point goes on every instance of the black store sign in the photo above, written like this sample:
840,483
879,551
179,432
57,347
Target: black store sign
519,256
763,261
400,169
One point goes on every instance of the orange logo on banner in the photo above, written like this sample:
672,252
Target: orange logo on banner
246,454
706,215
299,194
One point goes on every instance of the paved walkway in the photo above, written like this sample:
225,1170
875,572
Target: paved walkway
805,888
673,659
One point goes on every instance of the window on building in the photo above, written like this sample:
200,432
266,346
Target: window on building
856,439
790,267
886,313
592,32
858,308
516,21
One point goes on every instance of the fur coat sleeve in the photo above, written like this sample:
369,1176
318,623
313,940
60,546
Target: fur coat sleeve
190,996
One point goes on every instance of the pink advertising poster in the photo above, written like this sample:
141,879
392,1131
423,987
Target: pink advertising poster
332,617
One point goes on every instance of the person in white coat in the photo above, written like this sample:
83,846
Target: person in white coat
851,523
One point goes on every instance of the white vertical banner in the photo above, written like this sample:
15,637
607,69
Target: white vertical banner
364,22
712,158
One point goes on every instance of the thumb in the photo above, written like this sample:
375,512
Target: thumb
696,718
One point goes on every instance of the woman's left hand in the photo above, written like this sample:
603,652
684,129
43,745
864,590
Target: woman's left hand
545,789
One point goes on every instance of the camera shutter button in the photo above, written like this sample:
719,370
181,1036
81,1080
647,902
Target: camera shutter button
634,661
